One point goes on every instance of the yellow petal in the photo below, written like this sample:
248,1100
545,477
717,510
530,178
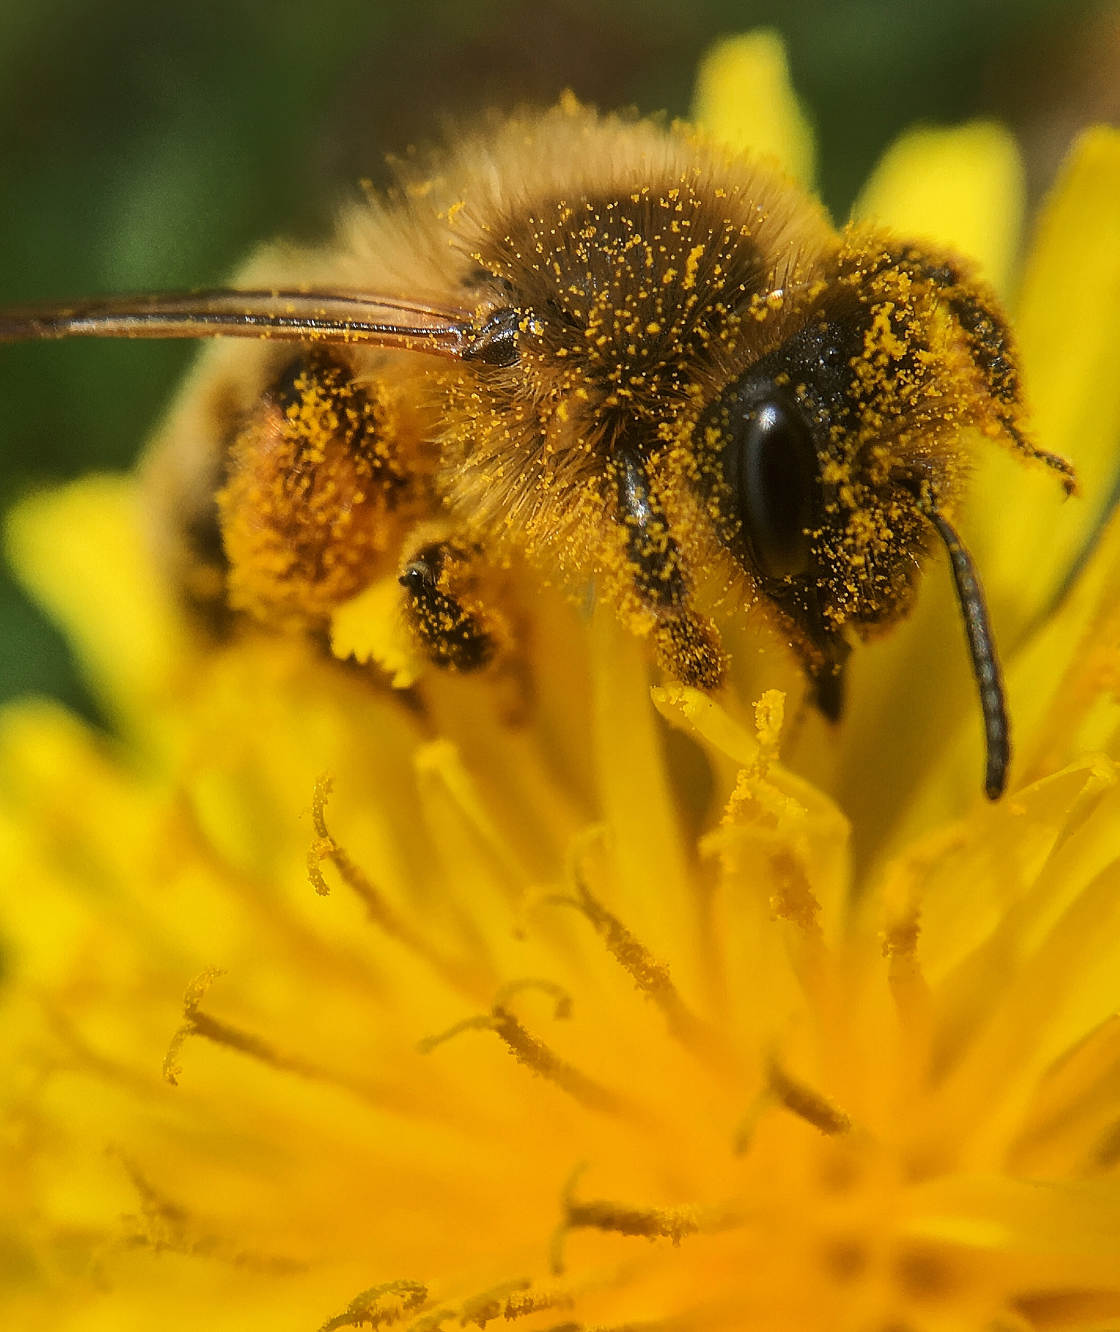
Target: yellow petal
370,627
745,99
1060,681
639,810
81,552
1069,333
961,188
1059,1235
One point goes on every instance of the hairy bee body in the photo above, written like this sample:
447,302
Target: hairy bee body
628,251
639,363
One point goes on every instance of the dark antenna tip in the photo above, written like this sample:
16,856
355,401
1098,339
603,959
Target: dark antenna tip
982,648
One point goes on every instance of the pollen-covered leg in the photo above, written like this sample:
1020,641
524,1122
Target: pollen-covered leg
990,344
685,643
322,479
687,646
449,610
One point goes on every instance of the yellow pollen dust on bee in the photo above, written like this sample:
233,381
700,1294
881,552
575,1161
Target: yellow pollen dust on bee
630,360
312,487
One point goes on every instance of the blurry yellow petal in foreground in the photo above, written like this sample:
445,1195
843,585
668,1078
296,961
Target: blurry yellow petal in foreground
82,553
1068,325
744,98
957,188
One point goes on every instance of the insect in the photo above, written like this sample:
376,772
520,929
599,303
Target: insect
611,349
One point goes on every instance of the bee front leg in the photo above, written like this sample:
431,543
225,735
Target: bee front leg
686,643
452,618
990,344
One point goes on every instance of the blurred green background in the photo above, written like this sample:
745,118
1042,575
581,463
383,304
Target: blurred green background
151,145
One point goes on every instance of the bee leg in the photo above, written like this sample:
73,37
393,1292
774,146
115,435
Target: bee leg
686,644
991,346
455,627
688,647
653,557
318,491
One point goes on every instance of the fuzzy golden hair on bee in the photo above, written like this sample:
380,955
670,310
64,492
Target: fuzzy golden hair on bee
611,351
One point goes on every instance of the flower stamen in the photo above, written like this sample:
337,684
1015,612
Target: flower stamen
492,1303
198,1023
623,1219
649,974
326,848
532,1051
791,897
673,1223
165,1226
522,1304
806,1102
368,1308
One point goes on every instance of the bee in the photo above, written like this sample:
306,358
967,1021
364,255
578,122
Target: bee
606,347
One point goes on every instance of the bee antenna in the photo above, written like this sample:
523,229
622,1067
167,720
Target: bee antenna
982,648
349,318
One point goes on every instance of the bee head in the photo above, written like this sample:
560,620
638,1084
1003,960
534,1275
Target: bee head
833,459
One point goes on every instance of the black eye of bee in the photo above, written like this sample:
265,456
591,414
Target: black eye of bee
769,464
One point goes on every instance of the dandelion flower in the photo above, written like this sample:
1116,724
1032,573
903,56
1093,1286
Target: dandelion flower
323,1010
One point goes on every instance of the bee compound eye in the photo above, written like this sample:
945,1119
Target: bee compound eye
770,466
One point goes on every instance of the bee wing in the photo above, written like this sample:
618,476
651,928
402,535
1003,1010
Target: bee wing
350,318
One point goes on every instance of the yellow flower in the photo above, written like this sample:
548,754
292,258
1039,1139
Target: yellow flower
599,1016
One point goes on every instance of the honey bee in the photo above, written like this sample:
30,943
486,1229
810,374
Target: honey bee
604,346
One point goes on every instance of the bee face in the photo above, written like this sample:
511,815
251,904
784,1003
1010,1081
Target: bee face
629,359
819,451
